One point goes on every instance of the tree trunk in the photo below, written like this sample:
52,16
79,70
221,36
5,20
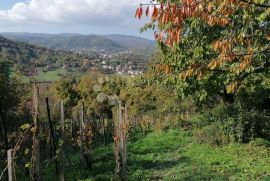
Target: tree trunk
228,99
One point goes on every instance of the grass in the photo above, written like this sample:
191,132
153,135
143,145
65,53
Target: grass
172,156
52,76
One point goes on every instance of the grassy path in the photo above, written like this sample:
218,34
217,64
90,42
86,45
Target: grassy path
172,156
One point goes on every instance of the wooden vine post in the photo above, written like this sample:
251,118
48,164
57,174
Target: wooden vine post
121,144
63,143
11,170
52,138
35,161
83,164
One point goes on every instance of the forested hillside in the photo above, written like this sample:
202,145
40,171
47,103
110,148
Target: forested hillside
23,54
77,41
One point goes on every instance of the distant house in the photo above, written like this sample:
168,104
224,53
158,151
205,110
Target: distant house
86,62
65,66
50,67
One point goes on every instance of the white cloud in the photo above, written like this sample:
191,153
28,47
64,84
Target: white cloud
59,15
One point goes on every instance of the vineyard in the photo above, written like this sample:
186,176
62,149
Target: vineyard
104,128
198,111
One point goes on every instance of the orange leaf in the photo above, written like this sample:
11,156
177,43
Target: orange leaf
209,7
268,37
155,13
137,12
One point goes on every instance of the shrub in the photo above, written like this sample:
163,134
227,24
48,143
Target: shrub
233,124
212,135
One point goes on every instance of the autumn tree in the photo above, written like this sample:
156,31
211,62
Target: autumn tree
212,47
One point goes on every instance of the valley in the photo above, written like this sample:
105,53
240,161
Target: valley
51,57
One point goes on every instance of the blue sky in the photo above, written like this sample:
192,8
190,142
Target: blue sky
7,4
72,16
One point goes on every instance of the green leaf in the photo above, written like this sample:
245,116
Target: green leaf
60,142
26,151
25,126
27,165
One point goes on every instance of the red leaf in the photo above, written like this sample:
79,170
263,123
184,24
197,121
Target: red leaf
140,12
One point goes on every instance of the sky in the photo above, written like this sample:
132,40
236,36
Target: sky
72,16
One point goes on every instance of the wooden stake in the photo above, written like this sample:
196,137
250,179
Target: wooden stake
63,145
11,171
124,151
82,137
35,166
103,131
52,138
71,127
120,144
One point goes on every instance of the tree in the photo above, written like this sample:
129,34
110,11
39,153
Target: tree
66,92
211,47
100,93
11,91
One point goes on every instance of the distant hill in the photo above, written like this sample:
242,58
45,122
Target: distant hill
18,51
25,55
78,41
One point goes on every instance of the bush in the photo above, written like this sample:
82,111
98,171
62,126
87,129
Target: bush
233,124
212,135
260,142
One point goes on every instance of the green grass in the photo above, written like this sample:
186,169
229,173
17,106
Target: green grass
50,75
172,156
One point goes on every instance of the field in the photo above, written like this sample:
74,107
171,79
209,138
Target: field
52,76
173,156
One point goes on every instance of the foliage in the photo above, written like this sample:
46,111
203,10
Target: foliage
13,94
100,93
13,99
210,47
237,123
65,91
